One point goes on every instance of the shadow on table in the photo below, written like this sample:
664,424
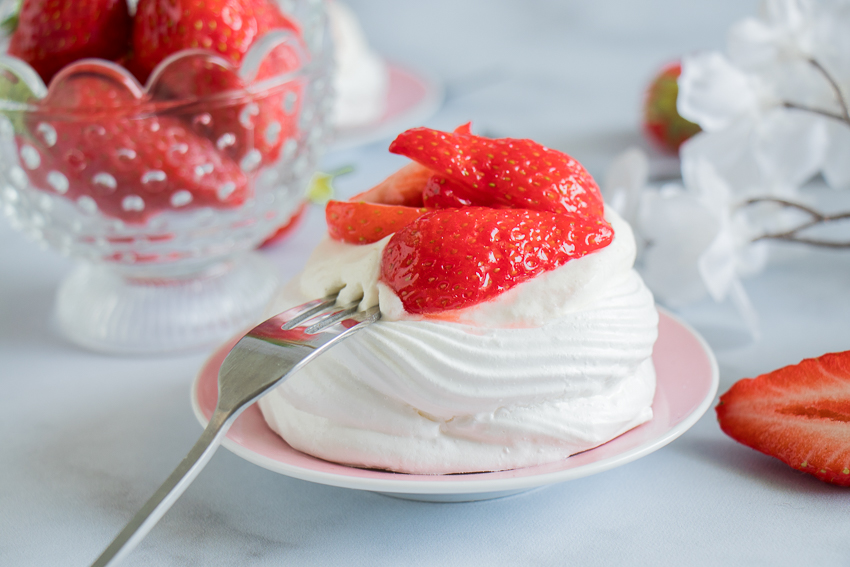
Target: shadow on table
752,465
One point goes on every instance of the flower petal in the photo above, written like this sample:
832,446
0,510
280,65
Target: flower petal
836,167
678,228
626,177
790,147
713,92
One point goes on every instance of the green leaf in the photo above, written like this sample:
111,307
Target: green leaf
320,189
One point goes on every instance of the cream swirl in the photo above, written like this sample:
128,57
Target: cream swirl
422,395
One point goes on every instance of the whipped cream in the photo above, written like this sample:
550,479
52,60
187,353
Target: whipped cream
557,365
361,78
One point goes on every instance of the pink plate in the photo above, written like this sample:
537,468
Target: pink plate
411,99
687,383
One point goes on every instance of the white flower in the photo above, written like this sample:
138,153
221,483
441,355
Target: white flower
717,95
750,138
836,167
783,31
624,182
764,108
692,242
780,45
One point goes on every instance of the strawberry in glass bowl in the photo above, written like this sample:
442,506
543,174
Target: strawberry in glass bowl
160,146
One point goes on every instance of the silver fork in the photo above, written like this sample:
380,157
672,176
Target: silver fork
261,360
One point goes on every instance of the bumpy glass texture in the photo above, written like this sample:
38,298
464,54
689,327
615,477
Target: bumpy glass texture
163,189
203,161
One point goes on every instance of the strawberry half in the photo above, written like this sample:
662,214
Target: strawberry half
50,35
799,414
382,210
505,172
454,258
404,187
365,223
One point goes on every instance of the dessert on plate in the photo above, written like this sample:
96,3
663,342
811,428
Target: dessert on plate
514,329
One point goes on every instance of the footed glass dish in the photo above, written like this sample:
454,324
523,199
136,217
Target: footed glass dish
162,191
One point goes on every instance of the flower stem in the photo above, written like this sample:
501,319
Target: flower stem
793,235
828,114
844,115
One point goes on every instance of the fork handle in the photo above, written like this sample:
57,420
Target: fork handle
169,492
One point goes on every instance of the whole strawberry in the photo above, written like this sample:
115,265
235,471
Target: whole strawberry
117,160
225,27
661,120
251,127
50,34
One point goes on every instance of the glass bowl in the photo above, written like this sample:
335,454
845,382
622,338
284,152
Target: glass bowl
162,191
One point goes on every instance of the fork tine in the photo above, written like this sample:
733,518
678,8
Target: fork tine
303,312
330,319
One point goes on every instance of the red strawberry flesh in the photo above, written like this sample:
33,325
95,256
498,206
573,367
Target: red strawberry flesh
404,187
454,258
252,126
505,172
799,414
496,213
131,167
50,35
365,223
225,27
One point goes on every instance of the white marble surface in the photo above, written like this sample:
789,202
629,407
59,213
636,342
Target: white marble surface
86,438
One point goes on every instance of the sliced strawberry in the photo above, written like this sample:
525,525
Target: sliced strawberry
382,210
126,164
504,172
404,187
365,223
50,35
443,193
455,258
662,122
799,414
